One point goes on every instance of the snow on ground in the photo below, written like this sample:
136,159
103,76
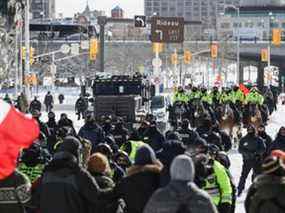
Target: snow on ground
276,121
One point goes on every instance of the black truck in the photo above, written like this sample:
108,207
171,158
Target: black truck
121,96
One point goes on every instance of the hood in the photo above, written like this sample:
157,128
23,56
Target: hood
182,189
155,168
182,169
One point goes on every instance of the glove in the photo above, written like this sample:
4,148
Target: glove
224,208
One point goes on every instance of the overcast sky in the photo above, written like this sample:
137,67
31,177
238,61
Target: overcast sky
69,7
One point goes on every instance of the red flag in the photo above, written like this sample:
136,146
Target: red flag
17,131
244,89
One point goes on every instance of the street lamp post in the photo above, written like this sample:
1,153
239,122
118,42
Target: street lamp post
238,40
269,39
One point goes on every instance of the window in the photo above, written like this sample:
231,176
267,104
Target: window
225,25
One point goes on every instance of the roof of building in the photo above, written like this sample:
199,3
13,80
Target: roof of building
117,8
262,3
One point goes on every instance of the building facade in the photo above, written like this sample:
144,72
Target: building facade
206,11
117,12
255,22
43,9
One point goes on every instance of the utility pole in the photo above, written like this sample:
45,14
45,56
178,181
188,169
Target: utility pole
27,43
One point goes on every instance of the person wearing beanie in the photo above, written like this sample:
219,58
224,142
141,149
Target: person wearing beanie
181,194
267,192
252,149
141,181
99,168
171,148
66,186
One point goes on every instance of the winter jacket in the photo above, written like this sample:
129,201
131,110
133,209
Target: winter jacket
92,132
237,96
171,149
81,105
278,143
67,188
138,186
194,95
218,185
177,194
254,98
15,193
268,143
266,195
48,100
65,123
180,97
104,182
187,135
251,147
35,105
154,138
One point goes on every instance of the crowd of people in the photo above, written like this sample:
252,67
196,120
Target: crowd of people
105,167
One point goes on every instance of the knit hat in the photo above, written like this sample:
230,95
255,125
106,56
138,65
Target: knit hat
145,155
271,165
98,163
182,168
71,145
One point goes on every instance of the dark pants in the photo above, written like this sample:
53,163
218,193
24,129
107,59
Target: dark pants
48,107
81,114
248,165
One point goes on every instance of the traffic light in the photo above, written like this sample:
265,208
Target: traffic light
32,53
214,50
93,49
23,53
174,59
264,55
157,47
276,36
187,57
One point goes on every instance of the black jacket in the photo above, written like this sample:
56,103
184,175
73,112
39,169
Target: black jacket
67,188
154,138
266,195
278,143
171,149
81,105
48,100
138,186
268,143
15,183
92,132
187,135
251,147
35,105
